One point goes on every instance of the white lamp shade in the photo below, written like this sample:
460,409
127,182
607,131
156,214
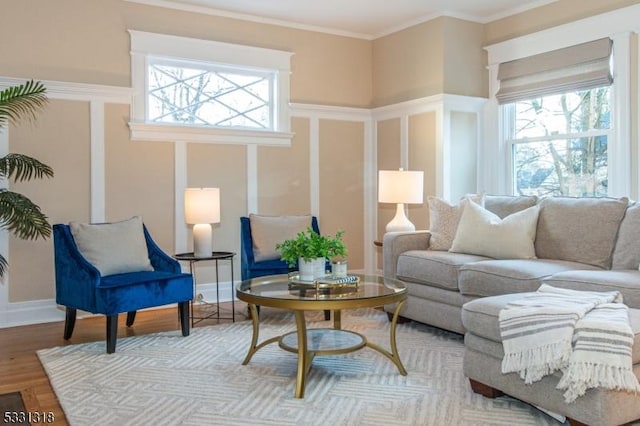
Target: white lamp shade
400,186
202,205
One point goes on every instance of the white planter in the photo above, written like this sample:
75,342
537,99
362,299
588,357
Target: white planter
319,270
311,270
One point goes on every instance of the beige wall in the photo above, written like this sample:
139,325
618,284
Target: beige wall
224,167
388,159
409,64
443,55
422,156
283,175
60,139
138,178
87,42
341,185
550,15
465,60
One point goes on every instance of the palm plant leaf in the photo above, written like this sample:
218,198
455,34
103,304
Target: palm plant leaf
20,167
22,101
22,217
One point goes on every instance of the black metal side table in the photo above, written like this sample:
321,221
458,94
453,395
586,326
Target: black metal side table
215,256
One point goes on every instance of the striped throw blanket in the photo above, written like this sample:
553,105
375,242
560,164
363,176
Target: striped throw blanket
583,333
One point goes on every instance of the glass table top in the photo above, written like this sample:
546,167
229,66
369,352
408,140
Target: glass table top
280,287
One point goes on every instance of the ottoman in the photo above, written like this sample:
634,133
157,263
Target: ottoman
482,365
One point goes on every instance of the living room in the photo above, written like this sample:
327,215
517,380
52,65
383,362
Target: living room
417,97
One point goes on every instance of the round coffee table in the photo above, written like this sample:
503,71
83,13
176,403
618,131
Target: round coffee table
278,291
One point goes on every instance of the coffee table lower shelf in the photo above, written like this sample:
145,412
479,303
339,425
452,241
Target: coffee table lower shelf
322,341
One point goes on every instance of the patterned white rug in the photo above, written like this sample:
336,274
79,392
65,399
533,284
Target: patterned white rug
167,379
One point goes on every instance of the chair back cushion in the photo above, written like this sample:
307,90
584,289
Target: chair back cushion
267,231
113,248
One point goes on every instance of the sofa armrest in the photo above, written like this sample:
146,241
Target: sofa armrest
396,243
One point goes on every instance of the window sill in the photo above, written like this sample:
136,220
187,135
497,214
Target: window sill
202,134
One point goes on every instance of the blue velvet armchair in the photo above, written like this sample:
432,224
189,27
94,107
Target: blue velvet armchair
252,269
79,285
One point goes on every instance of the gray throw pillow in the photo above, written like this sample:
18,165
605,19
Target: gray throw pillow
626,255
505,205
580,230
267,231
113,248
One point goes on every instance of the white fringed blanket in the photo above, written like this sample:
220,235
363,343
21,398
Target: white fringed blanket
585,334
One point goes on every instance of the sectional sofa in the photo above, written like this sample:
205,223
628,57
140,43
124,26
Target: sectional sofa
575,243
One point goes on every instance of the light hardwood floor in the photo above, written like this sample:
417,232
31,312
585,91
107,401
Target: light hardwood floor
20,369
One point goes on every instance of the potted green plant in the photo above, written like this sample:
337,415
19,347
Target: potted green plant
310,251
18,214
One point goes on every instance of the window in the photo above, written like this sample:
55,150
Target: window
556,119
196,90
201,94
558,143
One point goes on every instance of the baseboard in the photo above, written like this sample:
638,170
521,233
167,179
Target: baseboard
44,311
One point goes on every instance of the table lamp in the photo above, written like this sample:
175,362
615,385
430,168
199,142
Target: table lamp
401,187
201,209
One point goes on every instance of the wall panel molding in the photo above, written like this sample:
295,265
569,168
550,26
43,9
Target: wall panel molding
37,311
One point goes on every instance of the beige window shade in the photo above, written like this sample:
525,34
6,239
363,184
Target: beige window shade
581,67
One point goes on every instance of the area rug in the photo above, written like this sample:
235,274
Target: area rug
167,379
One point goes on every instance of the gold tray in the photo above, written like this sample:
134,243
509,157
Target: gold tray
326,282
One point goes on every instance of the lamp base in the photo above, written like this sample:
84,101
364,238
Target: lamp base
400,222
202,241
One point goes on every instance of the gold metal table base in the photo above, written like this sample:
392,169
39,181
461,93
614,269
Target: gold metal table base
306,352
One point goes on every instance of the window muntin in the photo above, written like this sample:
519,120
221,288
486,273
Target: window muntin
559,143
188,93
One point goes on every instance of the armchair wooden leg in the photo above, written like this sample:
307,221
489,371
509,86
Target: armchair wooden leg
69,323
131,317
112,333
183,310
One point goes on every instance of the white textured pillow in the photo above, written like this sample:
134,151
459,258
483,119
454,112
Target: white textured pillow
267,231
443,220
113,248
484,233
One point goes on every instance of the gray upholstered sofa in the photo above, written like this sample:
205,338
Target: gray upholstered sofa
588,244
580,243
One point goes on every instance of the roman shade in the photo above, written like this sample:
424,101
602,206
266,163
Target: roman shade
580,67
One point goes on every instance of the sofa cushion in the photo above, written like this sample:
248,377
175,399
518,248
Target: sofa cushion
627,282
113,248
437,268
494,277
484,233
504,205
626,254
579,230
443,221
480,317
267,231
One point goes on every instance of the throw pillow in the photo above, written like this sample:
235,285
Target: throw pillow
626,254
483,233
580,230
113,248
267,231
504,205
443,220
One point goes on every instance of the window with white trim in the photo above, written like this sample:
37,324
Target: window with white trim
559,144
205,91
556,116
